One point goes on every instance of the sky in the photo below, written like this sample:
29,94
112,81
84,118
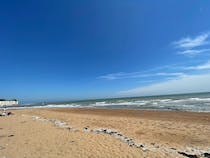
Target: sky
70,50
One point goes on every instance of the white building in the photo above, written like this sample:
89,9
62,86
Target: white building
4,102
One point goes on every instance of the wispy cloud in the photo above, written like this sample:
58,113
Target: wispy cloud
112,76
193,46
193,52
169,74
164,73
123,75
204,66
189,42
184,84
145,73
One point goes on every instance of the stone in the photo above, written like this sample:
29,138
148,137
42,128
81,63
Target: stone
207,155
188,155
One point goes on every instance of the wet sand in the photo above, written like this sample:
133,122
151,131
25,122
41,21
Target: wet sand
35,133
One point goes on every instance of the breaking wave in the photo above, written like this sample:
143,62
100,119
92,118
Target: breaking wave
173,102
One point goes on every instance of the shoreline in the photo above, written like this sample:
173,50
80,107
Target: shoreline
103,108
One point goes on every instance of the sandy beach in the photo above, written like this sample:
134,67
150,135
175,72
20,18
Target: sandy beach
89,133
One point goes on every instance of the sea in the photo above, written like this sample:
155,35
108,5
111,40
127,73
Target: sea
195,102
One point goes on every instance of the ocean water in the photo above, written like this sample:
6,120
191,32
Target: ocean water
198,102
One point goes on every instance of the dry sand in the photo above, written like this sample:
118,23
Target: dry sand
83,133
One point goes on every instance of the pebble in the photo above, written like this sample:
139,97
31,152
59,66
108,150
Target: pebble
117,135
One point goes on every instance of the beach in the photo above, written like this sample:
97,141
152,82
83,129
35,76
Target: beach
104,133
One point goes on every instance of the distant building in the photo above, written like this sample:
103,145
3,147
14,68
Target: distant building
4,102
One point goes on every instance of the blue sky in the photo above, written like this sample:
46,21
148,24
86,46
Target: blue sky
64,50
